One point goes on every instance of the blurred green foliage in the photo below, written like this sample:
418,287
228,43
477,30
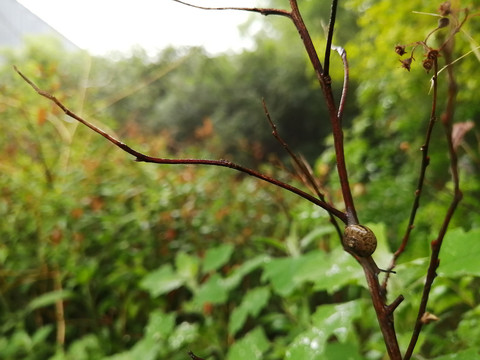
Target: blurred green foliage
104,258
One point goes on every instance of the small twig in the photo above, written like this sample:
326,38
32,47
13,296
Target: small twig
391,308
140,157
331,27
337,131
346,76
263,11
311,182
301,164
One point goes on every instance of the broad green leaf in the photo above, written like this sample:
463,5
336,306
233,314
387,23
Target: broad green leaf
327,272
382,254
214,291
85,348
328,320
217,257
469,354
288,274
316,234
469,328
250,347
280,273
247,267
253,302
342,351
41,334
459,253
186,266
48,299
161,281
153,344
338,270
184,334
160,325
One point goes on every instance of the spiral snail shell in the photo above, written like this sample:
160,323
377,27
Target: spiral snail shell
359,240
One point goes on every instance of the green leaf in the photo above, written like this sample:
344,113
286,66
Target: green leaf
217,257
153,345
461,355
247,267
315,235
161,281
338,270
327,272
288,274
382,254
184,334
160,325
41,334
251,347
339,351
328,320
253,302
469,328
214,291
49,298
459,254
187,266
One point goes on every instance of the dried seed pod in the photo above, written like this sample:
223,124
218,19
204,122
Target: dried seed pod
359,240
443,22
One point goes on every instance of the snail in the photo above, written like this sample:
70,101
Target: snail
359,240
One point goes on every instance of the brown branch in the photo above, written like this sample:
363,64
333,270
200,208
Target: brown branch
447,120
263,11
325,84
331,27
421,178
383,311
140,157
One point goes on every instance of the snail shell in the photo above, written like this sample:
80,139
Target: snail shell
359,240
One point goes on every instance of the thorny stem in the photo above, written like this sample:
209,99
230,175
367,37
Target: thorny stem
140,157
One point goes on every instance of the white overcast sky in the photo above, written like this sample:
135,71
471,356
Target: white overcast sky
101,26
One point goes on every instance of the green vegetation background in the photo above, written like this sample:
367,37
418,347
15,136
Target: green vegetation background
105,258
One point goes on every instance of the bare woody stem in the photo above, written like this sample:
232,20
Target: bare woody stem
325,84
447,119
331,27
140,157
263,11
384,312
